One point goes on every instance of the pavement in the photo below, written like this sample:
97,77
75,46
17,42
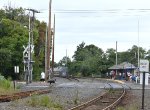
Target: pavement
133,85
64,83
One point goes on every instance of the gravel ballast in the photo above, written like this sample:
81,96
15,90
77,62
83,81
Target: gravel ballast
69,93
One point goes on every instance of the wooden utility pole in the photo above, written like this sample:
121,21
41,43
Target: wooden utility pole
47,72
46,51
116,57
53,46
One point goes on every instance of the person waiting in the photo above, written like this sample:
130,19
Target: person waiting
42,77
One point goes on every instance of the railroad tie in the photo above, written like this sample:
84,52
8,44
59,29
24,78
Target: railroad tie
112,98
105,101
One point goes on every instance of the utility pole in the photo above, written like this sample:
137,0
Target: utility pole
116,58
46,51
53,45
47,72
32,27
138,49
66,58
27,54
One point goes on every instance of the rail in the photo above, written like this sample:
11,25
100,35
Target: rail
116,102
8,98
95,100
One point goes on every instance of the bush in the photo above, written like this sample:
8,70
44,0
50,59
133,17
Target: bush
79,74
1,77
5,84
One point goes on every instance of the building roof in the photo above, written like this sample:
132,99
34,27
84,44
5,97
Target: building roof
124,65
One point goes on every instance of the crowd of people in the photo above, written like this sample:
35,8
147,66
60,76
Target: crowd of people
123,76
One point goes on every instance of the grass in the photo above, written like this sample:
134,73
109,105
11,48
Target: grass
76,97
129,108
6,87
5,84
111,90
43,101
120,108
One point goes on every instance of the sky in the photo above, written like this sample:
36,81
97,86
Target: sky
98,22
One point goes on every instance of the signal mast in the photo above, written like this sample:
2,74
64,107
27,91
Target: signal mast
29,50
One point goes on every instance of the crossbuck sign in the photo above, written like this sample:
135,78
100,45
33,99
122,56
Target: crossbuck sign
144,65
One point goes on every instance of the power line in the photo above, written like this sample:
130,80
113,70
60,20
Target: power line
102,13
95,11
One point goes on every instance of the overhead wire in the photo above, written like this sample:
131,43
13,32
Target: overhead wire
101,12
94,11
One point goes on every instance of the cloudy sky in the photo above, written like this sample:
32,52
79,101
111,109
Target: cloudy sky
98,22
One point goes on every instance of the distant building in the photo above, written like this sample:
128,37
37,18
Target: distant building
124,68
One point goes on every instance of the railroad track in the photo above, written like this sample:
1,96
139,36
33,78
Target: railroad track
72,79
19,95
106,101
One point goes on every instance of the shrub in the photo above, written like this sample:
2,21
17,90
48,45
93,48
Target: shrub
45,101
5,84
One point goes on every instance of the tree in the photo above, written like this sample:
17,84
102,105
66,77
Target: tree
111,57
2,14
65,61
5,59
39,50
13,35
78,54
40,44
87,60
133,54
74,68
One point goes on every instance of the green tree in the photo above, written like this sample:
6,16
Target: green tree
79,54
133,54
87,60
65,61
5,61
2,14
13,35
111,56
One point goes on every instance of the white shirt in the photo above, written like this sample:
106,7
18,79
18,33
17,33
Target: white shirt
42,75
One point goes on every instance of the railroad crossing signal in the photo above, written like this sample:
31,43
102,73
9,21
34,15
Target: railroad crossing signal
29,50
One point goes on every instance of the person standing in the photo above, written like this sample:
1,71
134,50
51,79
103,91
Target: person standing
42,76
120,76
111,72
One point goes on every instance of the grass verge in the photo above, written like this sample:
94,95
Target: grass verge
6,87
43,101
